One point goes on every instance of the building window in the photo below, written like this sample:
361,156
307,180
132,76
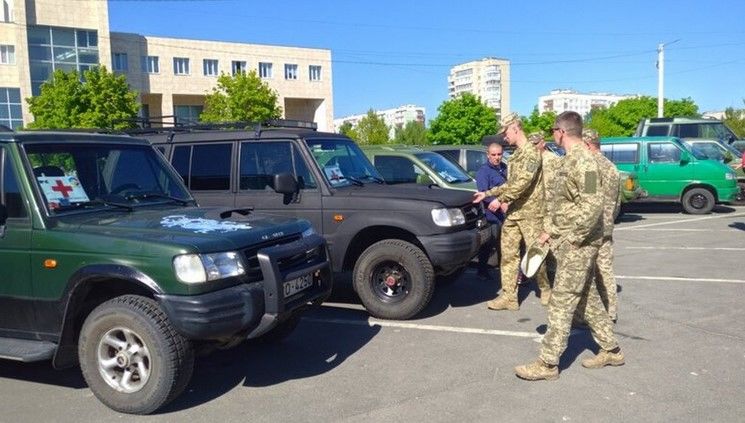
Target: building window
11,114
238,66
150,64
52,48
7,55
290,71
265,70
314,72
180,66
6,14
119,62
187,114
210,67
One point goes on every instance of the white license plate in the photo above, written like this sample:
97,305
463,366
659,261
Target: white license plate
296,285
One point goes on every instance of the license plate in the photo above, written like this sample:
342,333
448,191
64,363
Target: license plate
296,285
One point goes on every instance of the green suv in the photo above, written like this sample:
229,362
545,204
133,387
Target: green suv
107,262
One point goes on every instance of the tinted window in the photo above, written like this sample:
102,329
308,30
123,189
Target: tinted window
657,130
452,155
210,167
11,194
396,170
180,161
475,159
663,153
621,153
688,131
261,161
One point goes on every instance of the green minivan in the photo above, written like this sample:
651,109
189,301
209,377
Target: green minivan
670,171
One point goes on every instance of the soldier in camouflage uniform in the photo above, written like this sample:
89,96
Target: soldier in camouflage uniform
575,233
523,191
604,277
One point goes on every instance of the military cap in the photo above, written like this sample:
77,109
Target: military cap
509,120
590,136
535,137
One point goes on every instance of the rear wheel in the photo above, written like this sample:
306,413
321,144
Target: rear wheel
133,360
698,201
394,279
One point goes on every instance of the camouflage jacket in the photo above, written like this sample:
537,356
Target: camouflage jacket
550,167
524,187
576,200
611,187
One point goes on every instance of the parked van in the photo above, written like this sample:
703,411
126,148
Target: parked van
670,171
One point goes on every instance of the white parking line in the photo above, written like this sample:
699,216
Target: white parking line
687,248
677,279
385,323
683,230
719,216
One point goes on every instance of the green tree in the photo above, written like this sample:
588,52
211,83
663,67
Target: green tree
347,129
462,120
622,118
101,100
735,120
372,129
413,133
542,122
241,97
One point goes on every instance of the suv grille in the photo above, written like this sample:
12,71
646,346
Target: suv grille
472,213
285,264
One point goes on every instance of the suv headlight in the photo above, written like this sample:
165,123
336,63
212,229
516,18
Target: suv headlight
729,176
448,217
199,268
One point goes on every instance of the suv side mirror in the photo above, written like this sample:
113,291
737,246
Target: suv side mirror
285,183
3,219
685,157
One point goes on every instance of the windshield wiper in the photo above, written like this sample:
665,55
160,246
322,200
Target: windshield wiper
355,180
96,202
375,178
145,195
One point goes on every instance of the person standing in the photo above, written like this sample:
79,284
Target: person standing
604,277
523,192
576,232
491,174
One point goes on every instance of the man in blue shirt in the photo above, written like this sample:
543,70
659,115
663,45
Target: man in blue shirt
491,174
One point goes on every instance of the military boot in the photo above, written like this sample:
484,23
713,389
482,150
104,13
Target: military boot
537,370
503,303
604,358
545,296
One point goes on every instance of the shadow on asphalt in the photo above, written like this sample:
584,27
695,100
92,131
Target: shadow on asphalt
43,373
631,210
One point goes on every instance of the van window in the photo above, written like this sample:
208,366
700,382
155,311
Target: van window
474,160
10,195
621,153
663,153
658,130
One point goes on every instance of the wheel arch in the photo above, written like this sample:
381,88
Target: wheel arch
372,234
703,185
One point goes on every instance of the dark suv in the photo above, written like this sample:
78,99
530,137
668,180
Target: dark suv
107,262
395,239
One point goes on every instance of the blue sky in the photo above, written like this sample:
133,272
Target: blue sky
387,53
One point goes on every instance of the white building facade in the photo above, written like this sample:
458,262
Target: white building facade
394,118
559,101
488,78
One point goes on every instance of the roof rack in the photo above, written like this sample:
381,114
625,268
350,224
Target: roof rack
156,126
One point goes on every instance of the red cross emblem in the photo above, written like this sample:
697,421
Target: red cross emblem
62,188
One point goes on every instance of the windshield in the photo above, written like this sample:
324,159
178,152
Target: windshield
697,153
342,162
87,176
707,149
448,171
715,130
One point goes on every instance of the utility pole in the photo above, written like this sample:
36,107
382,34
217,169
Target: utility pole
661,77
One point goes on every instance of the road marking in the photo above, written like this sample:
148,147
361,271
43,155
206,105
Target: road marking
386,323
674,278
687,248
683,230
719,216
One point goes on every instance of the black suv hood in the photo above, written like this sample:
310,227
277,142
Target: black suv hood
446,197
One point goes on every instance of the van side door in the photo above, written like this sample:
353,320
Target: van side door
665,174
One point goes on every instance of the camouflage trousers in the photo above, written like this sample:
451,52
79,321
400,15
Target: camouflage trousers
575,279
513,233
605,281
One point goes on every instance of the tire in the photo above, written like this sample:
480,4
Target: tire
698,201
394,279
740,197
167,356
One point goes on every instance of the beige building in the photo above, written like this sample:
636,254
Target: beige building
395,118
559,101
173,76
488,78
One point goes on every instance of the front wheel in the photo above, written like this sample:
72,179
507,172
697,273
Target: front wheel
133,360
698,201
394,279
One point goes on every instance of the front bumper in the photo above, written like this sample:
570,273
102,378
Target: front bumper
252,308
449,251
728,194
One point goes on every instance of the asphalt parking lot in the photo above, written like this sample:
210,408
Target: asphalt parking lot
681,314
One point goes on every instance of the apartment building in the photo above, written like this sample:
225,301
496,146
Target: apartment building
488,78
559,101
172,76
394,118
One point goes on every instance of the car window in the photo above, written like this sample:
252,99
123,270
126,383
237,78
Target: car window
447,170
621,153
260,161
396,170
663,153
10,194
452,155
707,149
474,160
341,161
657,130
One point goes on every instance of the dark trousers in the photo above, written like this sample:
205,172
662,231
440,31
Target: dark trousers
489,252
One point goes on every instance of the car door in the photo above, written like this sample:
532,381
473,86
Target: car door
206,169
664,173
15,252
258,162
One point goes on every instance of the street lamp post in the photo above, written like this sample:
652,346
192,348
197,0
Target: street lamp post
661,77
